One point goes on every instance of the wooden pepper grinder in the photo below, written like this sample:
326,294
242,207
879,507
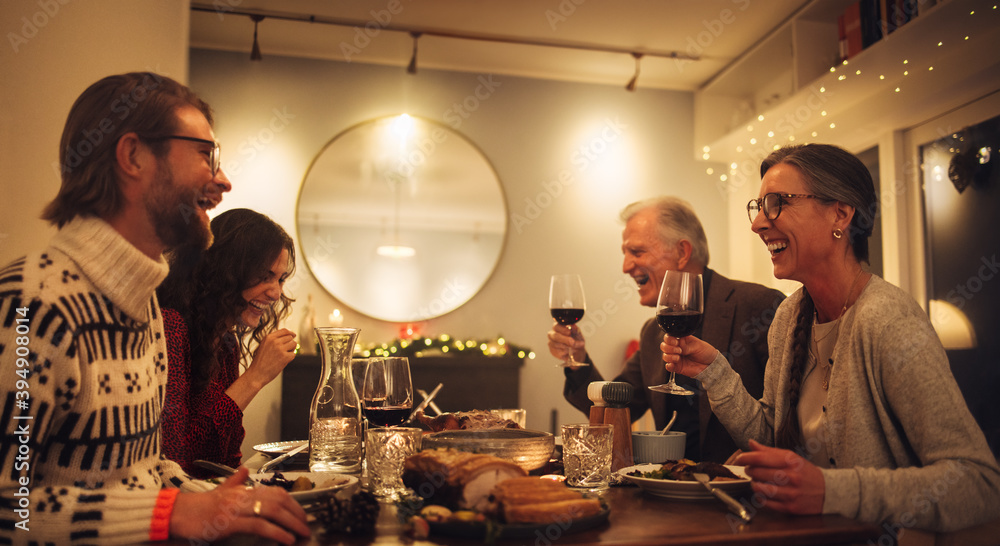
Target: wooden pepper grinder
595,393
611,399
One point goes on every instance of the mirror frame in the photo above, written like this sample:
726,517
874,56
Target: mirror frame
435,125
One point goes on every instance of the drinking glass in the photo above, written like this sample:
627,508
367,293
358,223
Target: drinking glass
517,415
388,449
679,312
567,305
388,391
587,451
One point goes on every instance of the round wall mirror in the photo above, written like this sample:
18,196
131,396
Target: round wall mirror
401,219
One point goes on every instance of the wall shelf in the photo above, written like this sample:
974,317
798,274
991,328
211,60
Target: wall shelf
784,91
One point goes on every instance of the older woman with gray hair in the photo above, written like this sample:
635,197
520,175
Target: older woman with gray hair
860,415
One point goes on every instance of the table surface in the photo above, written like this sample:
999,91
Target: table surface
640,518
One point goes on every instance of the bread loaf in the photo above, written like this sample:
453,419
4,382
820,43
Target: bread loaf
538,500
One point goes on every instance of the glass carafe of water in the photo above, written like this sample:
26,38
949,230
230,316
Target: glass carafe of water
335,414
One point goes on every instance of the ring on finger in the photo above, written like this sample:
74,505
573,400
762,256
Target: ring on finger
256,508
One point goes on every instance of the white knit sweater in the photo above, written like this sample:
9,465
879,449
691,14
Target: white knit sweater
95,375
904,447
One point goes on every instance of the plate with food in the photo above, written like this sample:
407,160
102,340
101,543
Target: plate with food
517,508
279,448
675,480
306,487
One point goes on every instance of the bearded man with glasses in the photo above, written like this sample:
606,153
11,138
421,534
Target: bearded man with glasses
82,344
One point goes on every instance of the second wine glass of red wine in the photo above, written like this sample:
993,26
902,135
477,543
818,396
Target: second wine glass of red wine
679,311
388,391
567,304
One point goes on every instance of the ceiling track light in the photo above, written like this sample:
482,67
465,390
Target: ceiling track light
630,86
412,67
201,6
255,50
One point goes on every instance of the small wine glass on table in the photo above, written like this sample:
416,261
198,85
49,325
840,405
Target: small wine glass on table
567,304
679,312
388,391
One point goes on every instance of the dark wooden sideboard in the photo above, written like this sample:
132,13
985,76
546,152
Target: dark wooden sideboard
471,381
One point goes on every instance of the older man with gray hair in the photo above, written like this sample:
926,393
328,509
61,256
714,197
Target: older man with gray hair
664,233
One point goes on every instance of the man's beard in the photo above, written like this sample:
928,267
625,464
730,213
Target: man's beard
174,212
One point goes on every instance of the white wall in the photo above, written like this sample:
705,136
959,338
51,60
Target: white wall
274,116
52,50
533,131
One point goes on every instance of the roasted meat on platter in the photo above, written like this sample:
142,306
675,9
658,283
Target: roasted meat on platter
465,420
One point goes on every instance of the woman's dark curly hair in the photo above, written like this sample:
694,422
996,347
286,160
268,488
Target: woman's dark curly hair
833,174
206,288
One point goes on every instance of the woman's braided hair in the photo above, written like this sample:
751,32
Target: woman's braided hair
789,434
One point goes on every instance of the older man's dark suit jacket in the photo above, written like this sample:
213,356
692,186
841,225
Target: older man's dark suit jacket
737,316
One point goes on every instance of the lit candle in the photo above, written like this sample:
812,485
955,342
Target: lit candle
336,319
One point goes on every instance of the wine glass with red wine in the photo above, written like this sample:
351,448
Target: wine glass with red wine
679,312
388,391
567,304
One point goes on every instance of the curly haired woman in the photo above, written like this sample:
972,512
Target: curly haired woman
221,308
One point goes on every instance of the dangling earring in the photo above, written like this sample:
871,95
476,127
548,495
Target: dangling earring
838,233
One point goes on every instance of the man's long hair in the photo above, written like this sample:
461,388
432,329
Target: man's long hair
141,102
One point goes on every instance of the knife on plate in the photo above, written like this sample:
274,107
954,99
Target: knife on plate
220,469
731,503
277,460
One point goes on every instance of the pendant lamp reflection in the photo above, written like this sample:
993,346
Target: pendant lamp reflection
395,250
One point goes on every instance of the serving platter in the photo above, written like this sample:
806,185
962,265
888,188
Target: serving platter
331,482
529,449
681,490
278,448
479,529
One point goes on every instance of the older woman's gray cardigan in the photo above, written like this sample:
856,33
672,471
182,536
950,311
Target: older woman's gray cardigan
904,447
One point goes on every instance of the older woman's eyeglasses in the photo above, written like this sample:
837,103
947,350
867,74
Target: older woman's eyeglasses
771,204
214,157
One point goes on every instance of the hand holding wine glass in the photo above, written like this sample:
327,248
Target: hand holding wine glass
679,312
567,304
388,391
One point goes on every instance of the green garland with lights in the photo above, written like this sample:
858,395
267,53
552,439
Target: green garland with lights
442,345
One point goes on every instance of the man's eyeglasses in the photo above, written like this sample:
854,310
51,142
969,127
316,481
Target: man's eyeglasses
214,157
771,204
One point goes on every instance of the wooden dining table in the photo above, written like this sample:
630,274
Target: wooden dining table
638,517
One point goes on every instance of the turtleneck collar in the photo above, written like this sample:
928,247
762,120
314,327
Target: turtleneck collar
119,270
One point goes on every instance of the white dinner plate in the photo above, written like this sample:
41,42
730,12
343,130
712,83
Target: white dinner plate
673,489
277,448
325,483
